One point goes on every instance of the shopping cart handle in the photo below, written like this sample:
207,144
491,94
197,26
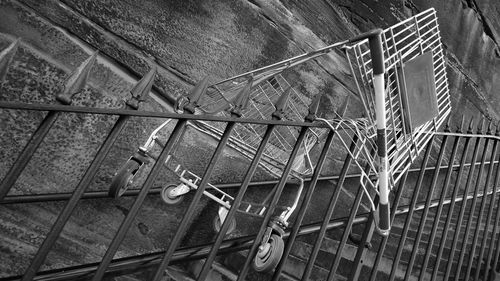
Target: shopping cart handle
366,35
375,41
384,226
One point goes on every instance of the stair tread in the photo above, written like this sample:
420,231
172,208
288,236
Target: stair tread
294,269
177,274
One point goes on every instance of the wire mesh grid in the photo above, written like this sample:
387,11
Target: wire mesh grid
402,42
246,138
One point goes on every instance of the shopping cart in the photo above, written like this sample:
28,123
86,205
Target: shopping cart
265,92
395,70
401,79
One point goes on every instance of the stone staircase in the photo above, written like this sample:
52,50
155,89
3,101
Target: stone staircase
302,248
227,267
397,230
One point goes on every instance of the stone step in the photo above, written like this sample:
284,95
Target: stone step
384,271
297,261
410,240
172,273
218,272
326,254
301,251
176,273
294,269
444,214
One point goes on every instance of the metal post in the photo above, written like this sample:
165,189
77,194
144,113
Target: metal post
310,191
74,83
464,202
452,206
303,207
480,217
234,207
63,217
272,205
347,231
487,225
426,208
437,217
411,210
125,225
329,213
188,216
362,251
473,207
61,220
496,220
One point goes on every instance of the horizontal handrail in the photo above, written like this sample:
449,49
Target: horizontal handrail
61,196
198,252
135,113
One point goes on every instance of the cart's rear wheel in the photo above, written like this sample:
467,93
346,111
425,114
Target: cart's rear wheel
122,178
268,257
218,225
166,196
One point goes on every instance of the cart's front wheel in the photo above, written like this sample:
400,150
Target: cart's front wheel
168,197
218,225
269,255
122,178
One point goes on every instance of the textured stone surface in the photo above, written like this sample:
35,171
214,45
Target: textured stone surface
186,40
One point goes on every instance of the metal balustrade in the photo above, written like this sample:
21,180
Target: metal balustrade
462,198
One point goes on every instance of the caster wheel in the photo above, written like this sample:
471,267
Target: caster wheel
169,199
268,258
218,225
122,179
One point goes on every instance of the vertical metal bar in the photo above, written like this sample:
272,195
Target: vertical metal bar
450,210
426,208
497,252
358,261
188,216
463,206
363,245
272,204
304,205
61,220
140,90
411,210
73,84
125,225
439,210
234,207
329,212
347,231
27,152
496,220
480,217
488,218
473,207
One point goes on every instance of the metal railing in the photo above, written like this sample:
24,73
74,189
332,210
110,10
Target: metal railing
447,206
